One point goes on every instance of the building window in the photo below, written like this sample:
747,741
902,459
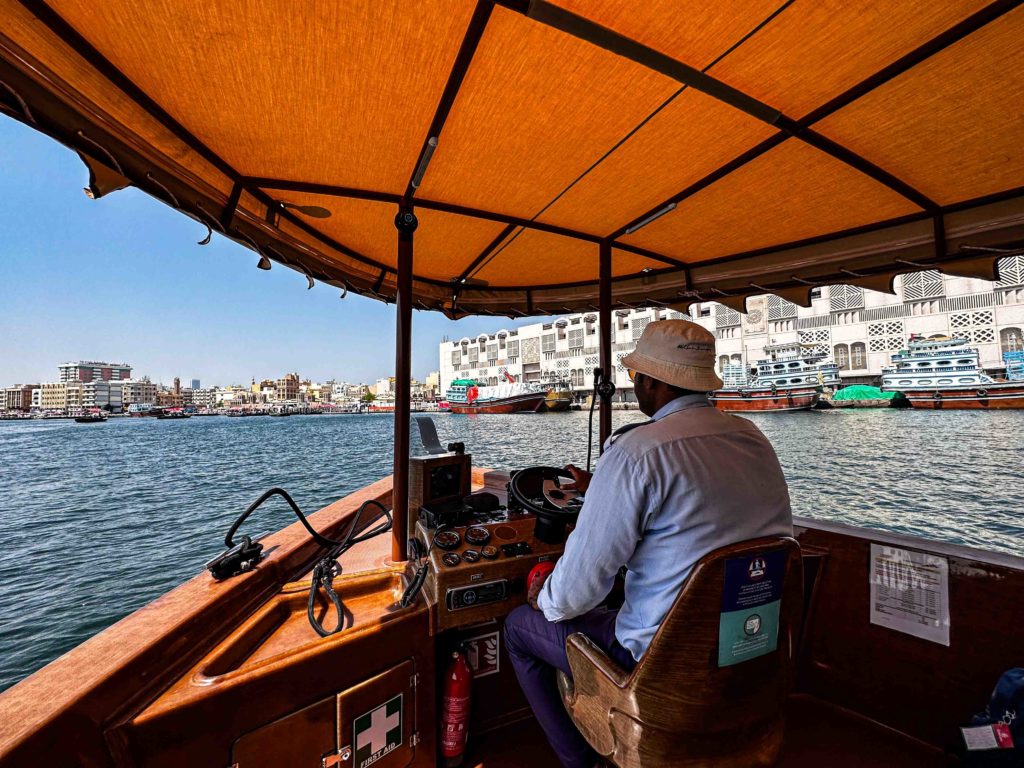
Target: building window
457,358
576,338
858,356
513,349
723,360
1011,340
815,293
841,353
705,312
547,342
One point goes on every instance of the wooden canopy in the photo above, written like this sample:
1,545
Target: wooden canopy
717,148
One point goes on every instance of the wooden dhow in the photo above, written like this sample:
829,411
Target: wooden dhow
523,158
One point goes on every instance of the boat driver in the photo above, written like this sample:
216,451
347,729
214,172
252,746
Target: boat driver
665,493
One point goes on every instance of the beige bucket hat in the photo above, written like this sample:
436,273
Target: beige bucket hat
677,352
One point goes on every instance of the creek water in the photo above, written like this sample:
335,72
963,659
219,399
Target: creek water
97,520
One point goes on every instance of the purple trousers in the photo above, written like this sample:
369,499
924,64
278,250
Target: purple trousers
537,649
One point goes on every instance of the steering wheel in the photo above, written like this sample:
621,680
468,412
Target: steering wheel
542,491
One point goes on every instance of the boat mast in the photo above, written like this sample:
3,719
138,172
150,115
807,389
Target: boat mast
405,223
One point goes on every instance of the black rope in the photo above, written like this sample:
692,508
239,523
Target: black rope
328,568
242,557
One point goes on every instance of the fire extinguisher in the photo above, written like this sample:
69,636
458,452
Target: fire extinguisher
455,710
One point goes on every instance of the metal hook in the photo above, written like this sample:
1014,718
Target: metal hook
1000,251
805,282
760,287
917,263
152,178
104,150
344,290
21,103
851,273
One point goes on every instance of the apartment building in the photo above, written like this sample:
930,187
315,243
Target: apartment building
94,371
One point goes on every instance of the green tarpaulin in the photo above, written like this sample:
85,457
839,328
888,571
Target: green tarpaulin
862,392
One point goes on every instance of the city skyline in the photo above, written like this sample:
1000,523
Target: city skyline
122,278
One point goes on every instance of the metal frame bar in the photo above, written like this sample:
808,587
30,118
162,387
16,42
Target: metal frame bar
470,41
403,374
605,326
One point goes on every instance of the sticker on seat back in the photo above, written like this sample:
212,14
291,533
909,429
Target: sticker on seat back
748,625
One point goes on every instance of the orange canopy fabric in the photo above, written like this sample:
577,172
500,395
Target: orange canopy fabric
719,148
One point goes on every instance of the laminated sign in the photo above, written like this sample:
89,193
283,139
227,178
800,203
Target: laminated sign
748,626
378,732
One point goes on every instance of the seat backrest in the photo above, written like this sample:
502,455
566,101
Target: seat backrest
711,667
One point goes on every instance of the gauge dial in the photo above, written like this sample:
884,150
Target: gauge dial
447,540
489,552
470,556
477,536
451,559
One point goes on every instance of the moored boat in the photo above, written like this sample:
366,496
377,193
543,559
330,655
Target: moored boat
466,396
944,373
791,378
766,398
559,397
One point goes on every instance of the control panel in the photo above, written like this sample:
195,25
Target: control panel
478,571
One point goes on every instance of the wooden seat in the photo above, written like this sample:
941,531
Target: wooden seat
678,707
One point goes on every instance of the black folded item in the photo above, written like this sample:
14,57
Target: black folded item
482,501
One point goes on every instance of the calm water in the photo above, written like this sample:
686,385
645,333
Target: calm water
97,520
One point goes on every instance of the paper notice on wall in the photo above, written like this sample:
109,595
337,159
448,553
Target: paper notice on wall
910,592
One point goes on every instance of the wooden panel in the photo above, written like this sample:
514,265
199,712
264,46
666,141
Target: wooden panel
876,671
300,738
370,711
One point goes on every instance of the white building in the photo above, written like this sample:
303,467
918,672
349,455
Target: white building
204,398
108,395
859,328
862,329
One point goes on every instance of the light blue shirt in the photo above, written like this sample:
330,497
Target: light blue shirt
663,495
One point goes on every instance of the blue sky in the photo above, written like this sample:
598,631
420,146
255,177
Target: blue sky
122,279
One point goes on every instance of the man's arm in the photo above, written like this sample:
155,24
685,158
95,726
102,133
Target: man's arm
606,534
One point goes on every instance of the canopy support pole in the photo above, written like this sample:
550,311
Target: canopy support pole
405,223
605,325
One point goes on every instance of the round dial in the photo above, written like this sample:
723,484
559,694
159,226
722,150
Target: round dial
489,552
477,536
451,559
470,556
447,540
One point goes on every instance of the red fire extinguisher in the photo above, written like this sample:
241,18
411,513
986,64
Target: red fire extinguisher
455,710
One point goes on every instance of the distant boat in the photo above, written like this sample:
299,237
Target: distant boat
91,417
466,396
173,413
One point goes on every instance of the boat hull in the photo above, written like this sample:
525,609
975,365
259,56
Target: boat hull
557,401
991,397
529,403
765,399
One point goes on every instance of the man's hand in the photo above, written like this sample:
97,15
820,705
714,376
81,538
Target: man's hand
534,591
580,478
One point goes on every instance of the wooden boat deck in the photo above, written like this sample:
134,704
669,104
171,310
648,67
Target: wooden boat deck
817,734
